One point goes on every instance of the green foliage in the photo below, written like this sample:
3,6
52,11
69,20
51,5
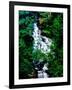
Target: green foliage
25,44
55,32
38,55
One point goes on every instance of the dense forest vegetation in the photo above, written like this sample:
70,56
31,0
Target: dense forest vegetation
51,26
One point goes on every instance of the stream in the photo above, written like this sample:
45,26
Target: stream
41,43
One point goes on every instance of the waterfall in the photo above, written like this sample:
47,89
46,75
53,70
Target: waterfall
41,43
42,73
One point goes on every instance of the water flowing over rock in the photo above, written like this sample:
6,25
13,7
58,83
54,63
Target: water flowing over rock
41,42
42,73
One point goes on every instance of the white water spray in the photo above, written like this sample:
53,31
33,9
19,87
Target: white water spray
41,42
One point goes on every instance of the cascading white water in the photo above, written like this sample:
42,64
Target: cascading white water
42,43
44,46
42,73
